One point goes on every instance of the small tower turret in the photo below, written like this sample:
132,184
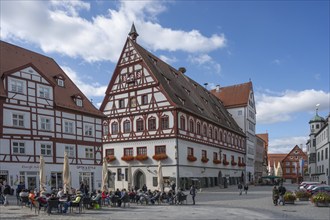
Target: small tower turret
133,34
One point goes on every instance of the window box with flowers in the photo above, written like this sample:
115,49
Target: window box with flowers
233,163
225,163
141,157
162,156
127,157
241,164
191,158
205,159
110,158
216,161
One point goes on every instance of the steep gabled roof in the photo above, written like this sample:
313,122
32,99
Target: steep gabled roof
186,93
13,57
291,153
275,158
234,96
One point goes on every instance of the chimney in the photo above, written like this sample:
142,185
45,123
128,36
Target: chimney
217,88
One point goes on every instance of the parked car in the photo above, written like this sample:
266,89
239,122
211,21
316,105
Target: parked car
323,188
310,187
303,184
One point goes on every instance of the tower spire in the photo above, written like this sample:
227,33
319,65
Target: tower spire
133,34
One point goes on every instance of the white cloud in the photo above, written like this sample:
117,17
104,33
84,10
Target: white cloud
280,108
202,59
89,90
286,144
57,26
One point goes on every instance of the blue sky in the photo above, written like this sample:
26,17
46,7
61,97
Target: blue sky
281,46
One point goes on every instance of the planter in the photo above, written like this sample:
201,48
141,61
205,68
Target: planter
216,161
225,163
111,158
127,158
205,160
160,157
191,158
304,199
321,204
289,202
233,163
141,157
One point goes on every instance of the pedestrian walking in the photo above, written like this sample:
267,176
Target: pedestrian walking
240,188
275,195
246,188
193,193
282,191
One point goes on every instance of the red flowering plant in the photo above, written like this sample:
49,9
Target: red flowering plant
216,161
161,156
191,158
110,158
233,163
205,159
141,157
127,157
225,162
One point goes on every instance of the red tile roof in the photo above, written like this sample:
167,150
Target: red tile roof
235,95
13,58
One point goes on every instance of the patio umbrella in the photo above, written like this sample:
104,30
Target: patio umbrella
129,177
279,170
42,176
66,174
160,177
105,175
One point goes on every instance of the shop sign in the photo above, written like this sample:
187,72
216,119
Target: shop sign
81,167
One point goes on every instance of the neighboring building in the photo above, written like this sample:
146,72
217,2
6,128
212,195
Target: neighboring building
273,160
294,166
259,162
42,112
239,101
264,137
318,147
156,112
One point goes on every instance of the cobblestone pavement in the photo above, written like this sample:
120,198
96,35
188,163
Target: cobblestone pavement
211,203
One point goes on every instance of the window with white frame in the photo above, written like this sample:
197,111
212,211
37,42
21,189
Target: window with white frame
79,102
45,123
68,127
46,149
18,120
16,85
18,147
69,149
60,82
89,130
44,92
89,152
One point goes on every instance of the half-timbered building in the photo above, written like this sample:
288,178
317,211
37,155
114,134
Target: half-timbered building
156,112
42,112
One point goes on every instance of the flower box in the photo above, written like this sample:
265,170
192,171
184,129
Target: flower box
110,158
205,159
127,157
191,158
141,157
233,163
216,161
241,164
289,197
160,156
321,199
225,163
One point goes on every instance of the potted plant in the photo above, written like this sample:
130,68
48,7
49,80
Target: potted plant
111,158
233,163
205,159
225,162
161,156
141,157
127,157
289,197
216,161
321,199
302,195
191,158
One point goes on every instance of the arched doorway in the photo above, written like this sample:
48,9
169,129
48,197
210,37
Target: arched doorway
139,179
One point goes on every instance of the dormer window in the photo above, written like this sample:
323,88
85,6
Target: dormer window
78,100
59,80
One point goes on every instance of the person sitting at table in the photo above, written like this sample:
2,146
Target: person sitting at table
42,199
123,198
76,200
51,198
95,199
60,193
